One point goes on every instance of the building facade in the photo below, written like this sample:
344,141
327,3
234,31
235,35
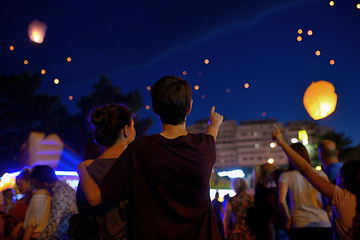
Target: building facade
250,143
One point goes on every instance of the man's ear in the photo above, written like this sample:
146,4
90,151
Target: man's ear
191,103
126,130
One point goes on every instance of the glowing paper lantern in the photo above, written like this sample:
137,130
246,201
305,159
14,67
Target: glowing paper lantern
320,99
37,31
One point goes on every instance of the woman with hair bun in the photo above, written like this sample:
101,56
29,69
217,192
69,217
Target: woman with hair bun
113,128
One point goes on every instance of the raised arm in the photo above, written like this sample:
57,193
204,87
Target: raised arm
90,188
323,186
215,121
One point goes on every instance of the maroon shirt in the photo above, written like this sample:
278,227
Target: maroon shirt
167,184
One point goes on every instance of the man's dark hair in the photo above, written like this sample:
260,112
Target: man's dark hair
171,98
43,174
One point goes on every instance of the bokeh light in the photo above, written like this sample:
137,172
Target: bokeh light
12,48
228,90
299,38
206,61
196,87
263,114
26,62
147,107
332,62
331,3
300,31
56,81
310,32
184,73
271,161
358,6
148,88
43,71
200,73
68,59
202,96
317,53
272,144
71,98
246,85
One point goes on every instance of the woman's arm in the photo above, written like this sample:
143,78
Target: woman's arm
90,188
29,230
323,186
283,189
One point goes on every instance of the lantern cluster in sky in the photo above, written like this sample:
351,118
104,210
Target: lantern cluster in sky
37,31
320,99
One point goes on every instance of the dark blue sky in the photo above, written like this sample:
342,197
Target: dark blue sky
135,43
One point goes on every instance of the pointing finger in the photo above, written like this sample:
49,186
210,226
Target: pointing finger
212,110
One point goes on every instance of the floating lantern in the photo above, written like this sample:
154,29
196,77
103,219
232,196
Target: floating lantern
320,99
37,31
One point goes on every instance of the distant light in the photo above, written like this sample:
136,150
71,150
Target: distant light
148,88
272,144
206,61
294,140
270,160
331,3
68,59
202,96
263,114
358,6
184,73
246,85
147,107
26,62
56,81
66,173
257,145
310,32
71,98
300,31
238,173
303,137
228,90
43,71
318,168
299,38
12,48
196,87
317,53
332,62
200,73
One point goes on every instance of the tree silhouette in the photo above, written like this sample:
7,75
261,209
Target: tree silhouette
23,110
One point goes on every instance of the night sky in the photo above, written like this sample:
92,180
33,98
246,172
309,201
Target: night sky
134,43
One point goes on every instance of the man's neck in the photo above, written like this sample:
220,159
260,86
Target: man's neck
173,131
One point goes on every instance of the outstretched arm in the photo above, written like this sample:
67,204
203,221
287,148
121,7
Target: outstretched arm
90,188
323,186
215,120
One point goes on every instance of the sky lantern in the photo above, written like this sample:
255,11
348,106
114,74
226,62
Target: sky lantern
320,99
37,31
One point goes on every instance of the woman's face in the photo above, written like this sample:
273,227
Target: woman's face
23,186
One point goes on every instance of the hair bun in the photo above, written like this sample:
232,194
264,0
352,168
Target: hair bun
98,117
